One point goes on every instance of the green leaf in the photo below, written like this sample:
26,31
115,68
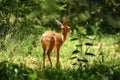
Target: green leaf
83,34
73,39
82,60
90,54
79,45
74,64
88,44
73,57
63,7
88,38
75,51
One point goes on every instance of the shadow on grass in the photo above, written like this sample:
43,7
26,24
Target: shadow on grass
10,71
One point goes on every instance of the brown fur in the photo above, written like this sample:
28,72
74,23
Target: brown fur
51,39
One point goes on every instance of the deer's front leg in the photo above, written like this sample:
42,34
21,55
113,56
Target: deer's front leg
58,56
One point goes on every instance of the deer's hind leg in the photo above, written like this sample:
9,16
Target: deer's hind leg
49,51
44,54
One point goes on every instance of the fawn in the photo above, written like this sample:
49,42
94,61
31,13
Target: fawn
51,39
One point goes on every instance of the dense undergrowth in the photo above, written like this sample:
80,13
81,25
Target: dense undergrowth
10,71
91,52
84,60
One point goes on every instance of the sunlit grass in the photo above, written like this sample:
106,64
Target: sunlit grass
30,56
24,52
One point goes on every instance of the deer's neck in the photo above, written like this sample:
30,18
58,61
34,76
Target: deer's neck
64,35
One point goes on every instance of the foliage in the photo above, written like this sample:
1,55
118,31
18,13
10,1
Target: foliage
10,71
92,50
84,53
17,15
23,21
21,18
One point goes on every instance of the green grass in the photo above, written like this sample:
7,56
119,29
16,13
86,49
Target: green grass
22,60
10,71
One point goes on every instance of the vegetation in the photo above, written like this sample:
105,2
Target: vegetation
91,52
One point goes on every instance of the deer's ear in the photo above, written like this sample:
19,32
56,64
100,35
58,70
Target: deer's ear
65,23
58,23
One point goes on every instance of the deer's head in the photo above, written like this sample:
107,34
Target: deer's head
64,26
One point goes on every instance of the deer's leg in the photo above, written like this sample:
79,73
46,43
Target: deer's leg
58,61
44,55
48,53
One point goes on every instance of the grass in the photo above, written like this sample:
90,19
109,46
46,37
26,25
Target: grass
22,60
12,71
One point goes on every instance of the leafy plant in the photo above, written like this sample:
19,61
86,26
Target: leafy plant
83,50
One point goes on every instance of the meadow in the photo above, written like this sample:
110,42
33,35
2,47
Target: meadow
89,57
91,52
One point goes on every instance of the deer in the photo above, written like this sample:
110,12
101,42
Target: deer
51,39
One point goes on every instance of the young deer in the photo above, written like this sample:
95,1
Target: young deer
51,39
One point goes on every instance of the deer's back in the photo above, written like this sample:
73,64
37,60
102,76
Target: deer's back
52,38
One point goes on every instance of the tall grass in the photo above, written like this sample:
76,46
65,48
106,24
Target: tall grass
22,59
